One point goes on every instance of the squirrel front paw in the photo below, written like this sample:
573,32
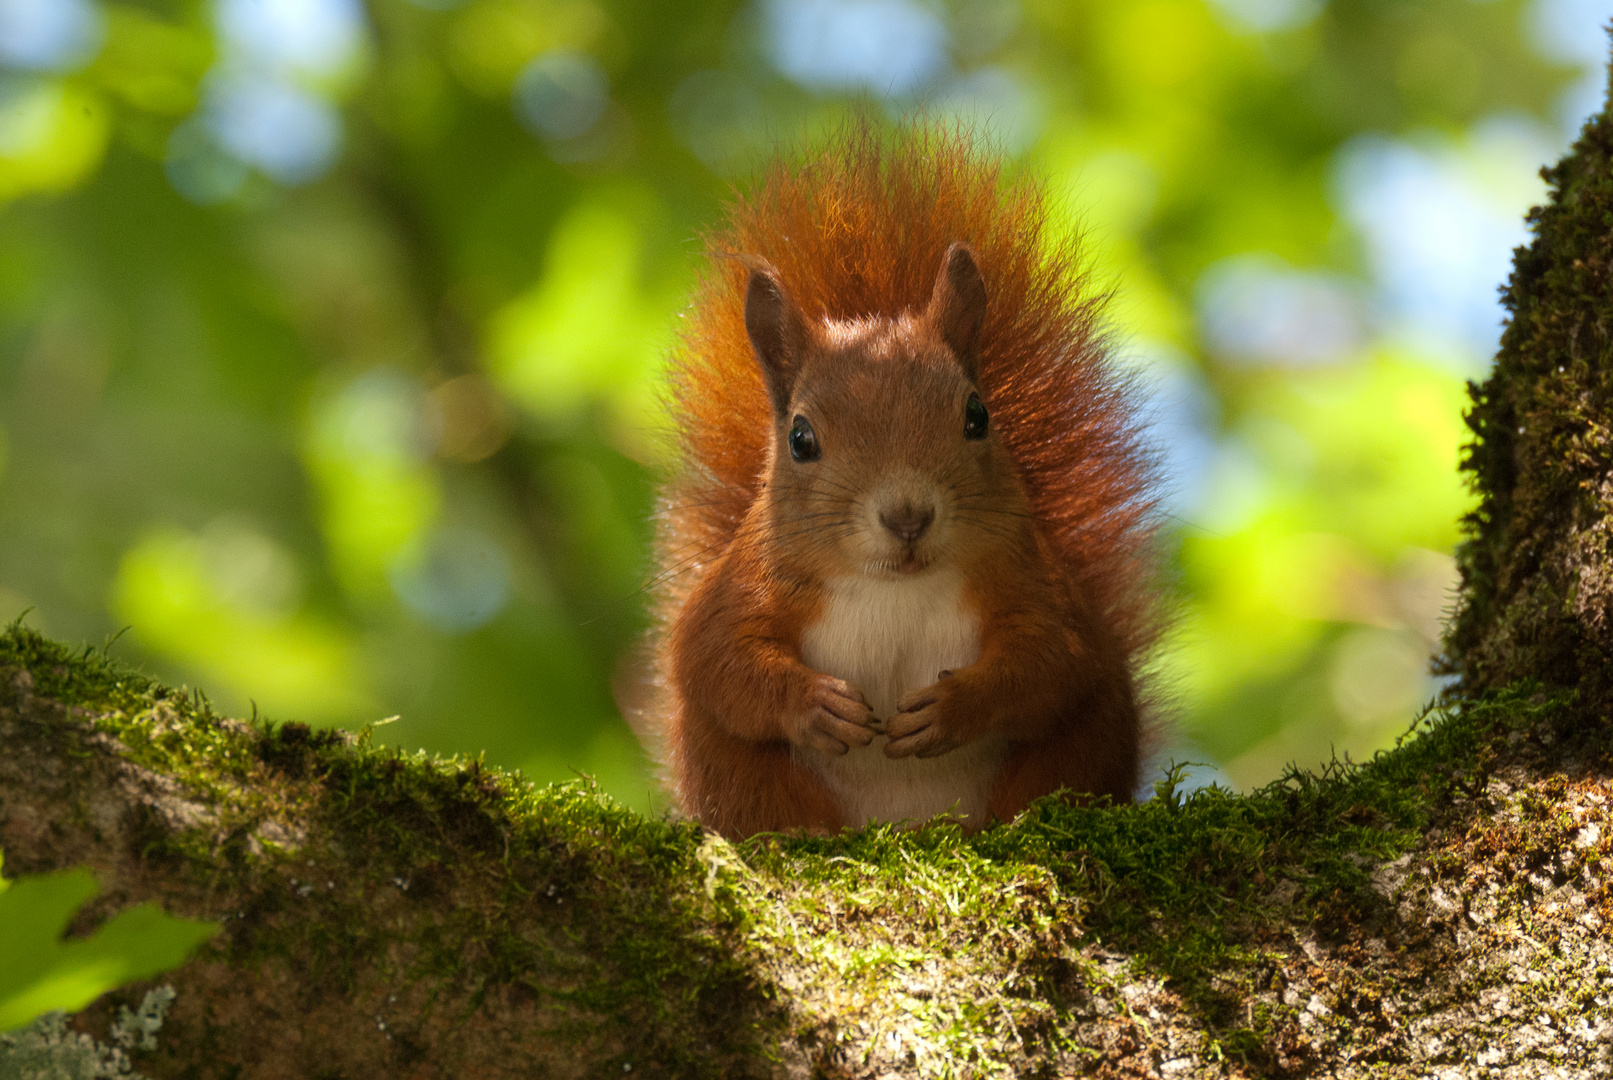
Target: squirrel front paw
835,719
931,721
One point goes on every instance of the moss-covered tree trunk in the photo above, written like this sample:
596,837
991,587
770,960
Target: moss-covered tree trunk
1444,910
1537,569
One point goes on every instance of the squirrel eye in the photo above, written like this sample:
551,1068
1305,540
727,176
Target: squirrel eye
974,418
803,441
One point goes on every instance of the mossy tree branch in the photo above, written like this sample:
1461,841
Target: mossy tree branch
390,913
1444,906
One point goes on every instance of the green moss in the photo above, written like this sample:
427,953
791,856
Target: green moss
645,940
300,836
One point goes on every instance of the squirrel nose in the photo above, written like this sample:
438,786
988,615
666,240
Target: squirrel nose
908,522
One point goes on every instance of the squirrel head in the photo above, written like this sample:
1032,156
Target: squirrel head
884,460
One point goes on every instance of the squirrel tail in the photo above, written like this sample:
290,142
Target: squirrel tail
857,229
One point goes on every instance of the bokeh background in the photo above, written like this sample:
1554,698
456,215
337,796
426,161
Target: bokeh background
330,331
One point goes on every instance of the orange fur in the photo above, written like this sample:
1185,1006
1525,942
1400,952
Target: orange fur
1066,607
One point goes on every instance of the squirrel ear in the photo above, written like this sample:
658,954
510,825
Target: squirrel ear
958,305
777,332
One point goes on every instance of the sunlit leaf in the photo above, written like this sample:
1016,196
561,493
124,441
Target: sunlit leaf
41,972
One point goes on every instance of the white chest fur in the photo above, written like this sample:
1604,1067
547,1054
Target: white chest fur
888,637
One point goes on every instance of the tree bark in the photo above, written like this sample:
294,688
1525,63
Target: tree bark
1537,569
1442,910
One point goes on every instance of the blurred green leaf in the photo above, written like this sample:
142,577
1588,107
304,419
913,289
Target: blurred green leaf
40,972
52,136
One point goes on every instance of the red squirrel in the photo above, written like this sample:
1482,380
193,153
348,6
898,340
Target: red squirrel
904,564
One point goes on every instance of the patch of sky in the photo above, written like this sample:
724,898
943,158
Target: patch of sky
1574,32
311,38
1255,309
457,581
49,35
561,95
293,136
1193,772
264,104
996,101
1182,417
1267,16
1440,217
892,47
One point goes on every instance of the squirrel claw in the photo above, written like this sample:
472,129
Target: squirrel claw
930,721
927,742
837,718
912,732
918,700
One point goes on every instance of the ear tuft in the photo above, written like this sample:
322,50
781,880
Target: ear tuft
776,330
958,305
